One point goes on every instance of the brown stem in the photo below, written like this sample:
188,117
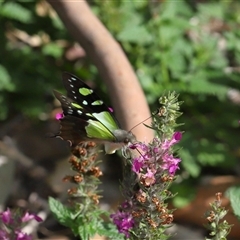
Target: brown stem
126,94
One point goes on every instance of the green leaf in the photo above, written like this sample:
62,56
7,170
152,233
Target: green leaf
211,10
171,9
86,225
57,23
134,32
62,213
52,49
109,230
83,231
189,163
200,85
5,79
233,193
16,11
185,194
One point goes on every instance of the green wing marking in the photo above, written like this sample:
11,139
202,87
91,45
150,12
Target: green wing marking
97,130
85,91
102,126
107,120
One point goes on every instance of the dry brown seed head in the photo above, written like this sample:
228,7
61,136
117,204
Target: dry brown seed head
152,223
78,178
147,181
67,178
72,191
84,163
96,172
141,196
95,198
155,200
136,214
73,160
168,219
91,144
82,151
218,196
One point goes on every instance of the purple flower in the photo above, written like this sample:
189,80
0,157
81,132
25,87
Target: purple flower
124,222
148,179
27,217
126,205
175,139
59,116
4,235
143,147
150,173
22,236
6,216
172,169
170,163
137,165
13,222
156,155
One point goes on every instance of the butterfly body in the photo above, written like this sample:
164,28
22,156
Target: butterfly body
87,118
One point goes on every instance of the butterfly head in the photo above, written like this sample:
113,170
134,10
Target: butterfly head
123,138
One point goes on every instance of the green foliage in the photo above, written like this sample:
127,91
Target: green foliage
85,226
233,193
28,69
16,11
52,49
61,212
185,194
193,49
184,46
5,83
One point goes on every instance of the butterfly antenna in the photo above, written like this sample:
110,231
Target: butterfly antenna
142,122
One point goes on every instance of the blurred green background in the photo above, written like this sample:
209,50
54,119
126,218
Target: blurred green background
191,47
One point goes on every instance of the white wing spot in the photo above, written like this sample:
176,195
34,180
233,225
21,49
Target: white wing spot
70,80
73,92
71,85
79,112
74,79
85,102
75,97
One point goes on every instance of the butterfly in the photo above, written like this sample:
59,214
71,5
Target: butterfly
87,118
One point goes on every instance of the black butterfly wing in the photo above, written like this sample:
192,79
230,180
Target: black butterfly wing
82,108
91,102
